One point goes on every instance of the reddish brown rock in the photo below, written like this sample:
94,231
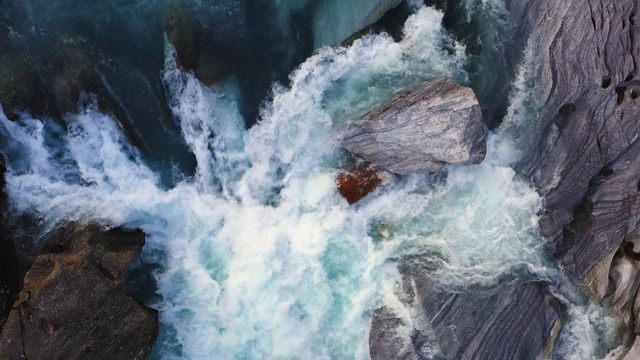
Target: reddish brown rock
362,180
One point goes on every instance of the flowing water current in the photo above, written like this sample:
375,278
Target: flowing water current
256,255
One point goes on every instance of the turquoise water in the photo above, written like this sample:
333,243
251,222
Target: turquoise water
256,254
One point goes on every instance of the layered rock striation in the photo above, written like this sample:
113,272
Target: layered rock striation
513,320
587,74
583,157
586,161
437,122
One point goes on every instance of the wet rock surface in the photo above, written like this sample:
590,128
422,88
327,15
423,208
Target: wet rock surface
21,87
425,321
359,181
336,21
604,217
588,121
436,123
194,52
74,302
586,162
14,260
586,168
75,58
8,258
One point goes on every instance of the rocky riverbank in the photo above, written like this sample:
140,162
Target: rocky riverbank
74,303
585,164
585,167
583,157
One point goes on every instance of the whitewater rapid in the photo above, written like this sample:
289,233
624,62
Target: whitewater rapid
258,255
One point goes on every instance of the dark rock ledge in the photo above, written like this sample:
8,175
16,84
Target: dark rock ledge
74,303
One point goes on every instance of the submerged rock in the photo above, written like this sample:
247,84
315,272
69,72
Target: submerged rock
435,123
335,21
355,184
193,51
391,23
74,302
21,86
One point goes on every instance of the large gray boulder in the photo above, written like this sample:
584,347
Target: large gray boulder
435,123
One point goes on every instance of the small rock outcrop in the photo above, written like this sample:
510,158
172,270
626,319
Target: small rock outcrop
74,303
436,123
358,182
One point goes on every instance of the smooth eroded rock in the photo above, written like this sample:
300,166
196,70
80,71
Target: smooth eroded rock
585,70
603,221
514,319
74,303
584,155
435,123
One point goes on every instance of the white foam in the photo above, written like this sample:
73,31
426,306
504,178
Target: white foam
590,332
261,258
240,277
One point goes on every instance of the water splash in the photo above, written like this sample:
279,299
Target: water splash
260,257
